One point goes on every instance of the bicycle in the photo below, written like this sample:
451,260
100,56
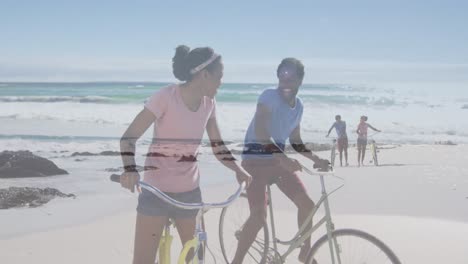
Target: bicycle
330,248
374,150
199,241
333,152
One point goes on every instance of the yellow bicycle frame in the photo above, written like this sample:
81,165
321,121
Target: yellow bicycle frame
200,237
189,245
165,246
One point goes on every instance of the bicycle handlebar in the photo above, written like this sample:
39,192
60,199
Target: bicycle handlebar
188,206
318,172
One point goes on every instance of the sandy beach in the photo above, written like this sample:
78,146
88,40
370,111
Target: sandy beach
416,202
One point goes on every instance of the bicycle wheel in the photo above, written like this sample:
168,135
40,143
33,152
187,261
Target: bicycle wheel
333,154
374,154
231,222
354,246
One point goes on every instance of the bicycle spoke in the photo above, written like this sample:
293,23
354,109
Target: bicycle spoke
259,250
232,223
354,247
254,258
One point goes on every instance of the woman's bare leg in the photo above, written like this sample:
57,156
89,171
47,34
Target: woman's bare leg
148,232
186,229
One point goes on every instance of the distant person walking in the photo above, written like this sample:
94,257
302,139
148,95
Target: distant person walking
342,140
362,138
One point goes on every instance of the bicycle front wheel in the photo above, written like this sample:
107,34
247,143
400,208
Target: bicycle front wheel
231,223
374,153
354,247
333,155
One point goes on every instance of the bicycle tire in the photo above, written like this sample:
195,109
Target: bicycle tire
320,251
333,154
374,153
258,252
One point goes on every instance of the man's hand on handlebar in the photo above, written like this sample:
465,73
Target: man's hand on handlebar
322,165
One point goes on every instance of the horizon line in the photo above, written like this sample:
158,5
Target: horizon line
145,82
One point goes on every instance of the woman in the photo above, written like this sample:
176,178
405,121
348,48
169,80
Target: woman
180,113
362,138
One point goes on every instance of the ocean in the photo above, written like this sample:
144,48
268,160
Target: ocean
70,113
54,120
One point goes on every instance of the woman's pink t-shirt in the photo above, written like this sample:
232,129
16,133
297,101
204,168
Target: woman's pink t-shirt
171,163
362,128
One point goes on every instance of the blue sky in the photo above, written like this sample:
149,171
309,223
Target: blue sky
339,41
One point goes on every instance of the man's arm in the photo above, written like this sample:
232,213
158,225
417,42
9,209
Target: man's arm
331,128
262,119
299,146
263,135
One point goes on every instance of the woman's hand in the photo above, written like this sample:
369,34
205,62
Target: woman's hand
129,180
243,176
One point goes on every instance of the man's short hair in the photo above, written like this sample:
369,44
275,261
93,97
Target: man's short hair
297,64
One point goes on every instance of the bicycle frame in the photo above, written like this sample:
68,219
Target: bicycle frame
303,234
331,238
165,243
196,243
200,236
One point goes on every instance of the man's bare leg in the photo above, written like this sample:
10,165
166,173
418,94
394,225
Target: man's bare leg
305,206
346,155
253,224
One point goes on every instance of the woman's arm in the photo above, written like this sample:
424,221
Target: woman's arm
373,128
222,153
128,145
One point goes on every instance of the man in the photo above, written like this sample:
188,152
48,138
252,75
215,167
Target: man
342,140
277,118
